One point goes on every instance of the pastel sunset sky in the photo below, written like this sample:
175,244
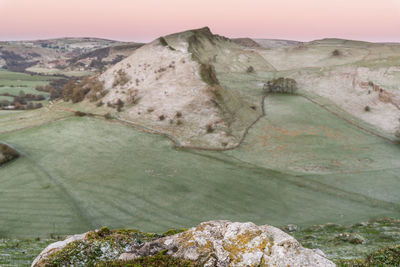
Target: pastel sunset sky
145,20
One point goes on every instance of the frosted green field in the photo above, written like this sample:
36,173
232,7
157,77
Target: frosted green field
298,164
82,173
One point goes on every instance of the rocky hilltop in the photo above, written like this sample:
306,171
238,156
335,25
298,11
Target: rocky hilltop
213,243
172,85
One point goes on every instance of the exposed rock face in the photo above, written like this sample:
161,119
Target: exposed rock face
171,76
223,243
56,247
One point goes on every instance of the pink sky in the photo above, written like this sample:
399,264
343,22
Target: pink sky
145,20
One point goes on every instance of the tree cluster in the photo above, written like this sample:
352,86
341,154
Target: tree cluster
77,90
281,85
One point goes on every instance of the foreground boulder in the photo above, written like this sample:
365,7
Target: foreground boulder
214,243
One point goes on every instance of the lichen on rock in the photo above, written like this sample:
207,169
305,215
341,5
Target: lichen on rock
213,243
223,243
92,247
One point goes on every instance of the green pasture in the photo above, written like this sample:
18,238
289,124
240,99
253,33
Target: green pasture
10,81
19,77
8,98
16,90
82,173
324,152
21,252
14,82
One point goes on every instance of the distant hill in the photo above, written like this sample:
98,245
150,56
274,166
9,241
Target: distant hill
52,53
275,43
247,42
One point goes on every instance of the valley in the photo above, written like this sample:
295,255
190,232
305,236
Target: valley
182,130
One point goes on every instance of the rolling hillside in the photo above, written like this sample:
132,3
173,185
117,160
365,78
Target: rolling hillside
196,139
62,55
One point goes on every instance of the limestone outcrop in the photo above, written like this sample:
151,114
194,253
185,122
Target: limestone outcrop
223,243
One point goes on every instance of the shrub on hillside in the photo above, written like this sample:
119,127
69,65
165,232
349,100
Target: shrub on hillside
121,78
119,105
80,113
132,96
209,128
67,90
76,91
30,106
336,53
96,89
7,153
108,116
250,69
281,85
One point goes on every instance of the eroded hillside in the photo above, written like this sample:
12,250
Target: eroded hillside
173,85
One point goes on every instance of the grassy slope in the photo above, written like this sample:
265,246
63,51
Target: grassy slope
82,173
326,154
21,252
375,233
300,164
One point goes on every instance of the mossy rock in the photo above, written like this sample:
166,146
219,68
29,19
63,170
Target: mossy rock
159,260
174,231
98,246
351,238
